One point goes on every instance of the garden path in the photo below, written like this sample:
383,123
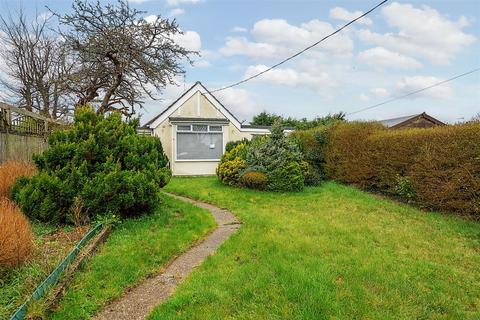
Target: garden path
140,300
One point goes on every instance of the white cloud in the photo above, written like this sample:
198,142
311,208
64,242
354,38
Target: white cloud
151,18
317,81
236,46
382,58
176,12
178,2
363,97
138,1
190,40
380,92
239,102
340,13
239,29
274,38
202,64
279,32
410,84
422,32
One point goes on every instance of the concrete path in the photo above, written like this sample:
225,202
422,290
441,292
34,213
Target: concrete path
139,301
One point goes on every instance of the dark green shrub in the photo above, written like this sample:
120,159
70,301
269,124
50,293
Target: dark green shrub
232,144
254,180
124,192
312,173
288,177
273,155
44,197
404,188
101,162
312,143
276,157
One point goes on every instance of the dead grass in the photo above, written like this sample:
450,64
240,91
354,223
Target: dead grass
10,171
15,235
50,245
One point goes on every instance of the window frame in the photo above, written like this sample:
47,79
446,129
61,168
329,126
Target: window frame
208,131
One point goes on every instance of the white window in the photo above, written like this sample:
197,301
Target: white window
199,142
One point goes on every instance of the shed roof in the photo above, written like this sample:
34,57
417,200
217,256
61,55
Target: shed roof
394,122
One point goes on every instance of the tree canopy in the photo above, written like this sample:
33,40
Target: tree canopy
105,55
268,119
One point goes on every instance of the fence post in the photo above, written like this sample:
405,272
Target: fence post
8,119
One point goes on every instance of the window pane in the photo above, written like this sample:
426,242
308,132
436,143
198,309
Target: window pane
195,146
200,127
183,127
215,128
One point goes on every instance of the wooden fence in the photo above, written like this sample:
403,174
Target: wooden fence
23,133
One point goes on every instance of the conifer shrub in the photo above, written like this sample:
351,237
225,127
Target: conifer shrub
312,144
229,171
100,162
15,235
276,156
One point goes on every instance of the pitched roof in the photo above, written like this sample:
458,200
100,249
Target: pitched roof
390,123
207,94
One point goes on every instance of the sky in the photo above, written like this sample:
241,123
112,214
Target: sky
401,47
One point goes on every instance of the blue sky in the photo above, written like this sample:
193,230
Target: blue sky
401,47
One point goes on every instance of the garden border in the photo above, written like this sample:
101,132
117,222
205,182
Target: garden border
55,274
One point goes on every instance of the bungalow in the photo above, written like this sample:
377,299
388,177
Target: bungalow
194,130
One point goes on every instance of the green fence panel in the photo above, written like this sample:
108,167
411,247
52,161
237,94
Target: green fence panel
53,277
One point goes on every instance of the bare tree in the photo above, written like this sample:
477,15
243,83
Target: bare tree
35,65
120,58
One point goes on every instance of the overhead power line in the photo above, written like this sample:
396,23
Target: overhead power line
302,51
414,92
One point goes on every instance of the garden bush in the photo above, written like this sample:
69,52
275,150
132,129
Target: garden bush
15,235
101,164
10,171
232,144
229,171
254,180
275,157
312,144
232,163
279,157
438,168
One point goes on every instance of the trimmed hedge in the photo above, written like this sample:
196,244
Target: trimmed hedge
438,168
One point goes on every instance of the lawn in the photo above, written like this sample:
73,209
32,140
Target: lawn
51,244
330,252
136,249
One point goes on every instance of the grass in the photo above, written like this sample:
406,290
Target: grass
50,246
330,252
136,249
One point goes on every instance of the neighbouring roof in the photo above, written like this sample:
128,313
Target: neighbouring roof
396,122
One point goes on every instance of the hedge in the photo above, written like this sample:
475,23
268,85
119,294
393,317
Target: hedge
438,168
